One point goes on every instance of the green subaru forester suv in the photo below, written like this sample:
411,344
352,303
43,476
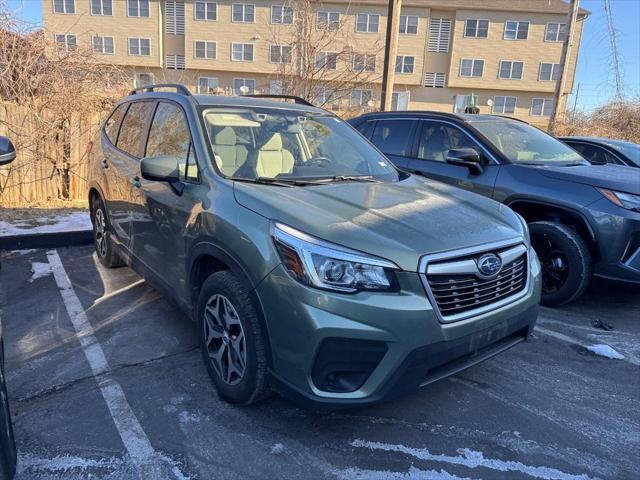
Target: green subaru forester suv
311,265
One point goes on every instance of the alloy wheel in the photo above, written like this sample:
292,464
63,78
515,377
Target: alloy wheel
555,267
224,339
100,227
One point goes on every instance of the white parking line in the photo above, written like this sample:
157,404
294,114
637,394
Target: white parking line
149,463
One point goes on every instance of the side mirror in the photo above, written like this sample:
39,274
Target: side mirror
7,151
466,157
160,169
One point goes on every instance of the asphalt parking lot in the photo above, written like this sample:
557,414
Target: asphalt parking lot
106,382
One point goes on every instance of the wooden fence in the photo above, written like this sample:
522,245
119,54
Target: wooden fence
52,159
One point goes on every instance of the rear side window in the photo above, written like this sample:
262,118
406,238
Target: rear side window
436,139
169,136
113,123
132,131
594,154
393,137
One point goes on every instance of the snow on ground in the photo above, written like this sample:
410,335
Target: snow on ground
62,222
605,351
39,270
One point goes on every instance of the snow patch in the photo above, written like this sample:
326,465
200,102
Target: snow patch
63,463
66,222
603,350
277,449
413,474
39,270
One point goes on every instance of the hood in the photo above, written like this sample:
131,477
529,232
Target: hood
614,177
400,221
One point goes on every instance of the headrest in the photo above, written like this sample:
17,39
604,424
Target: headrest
273,144
226,136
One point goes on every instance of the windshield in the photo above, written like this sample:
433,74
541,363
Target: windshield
287,146
629,150
522,143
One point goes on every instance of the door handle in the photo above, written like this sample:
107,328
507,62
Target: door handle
105,164
135,181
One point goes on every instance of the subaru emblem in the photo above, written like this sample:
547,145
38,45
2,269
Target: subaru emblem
489,265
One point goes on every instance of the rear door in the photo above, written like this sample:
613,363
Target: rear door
394,137
434,140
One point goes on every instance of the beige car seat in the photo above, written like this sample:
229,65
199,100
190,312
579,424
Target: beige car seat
274,160
229,155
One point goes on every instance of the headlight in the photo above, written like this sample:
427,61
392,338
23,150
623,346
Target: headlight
624,200
325,265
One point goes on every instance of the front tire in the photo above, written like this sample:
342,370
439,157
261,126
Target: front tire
103,243
565,259
232,341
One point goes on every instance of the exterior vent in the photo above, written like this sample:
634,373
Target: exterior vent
439,33
435,80
175,62
174,13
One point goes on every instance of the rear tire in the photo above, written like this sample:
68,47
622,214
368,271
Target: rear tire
232,340
103,243
565,259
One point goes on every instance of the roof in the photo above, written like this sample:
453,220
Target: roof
597,140
462,117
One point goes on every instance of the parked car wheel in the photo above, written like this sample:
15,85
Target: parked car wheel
565,260
103,243
7,442
232,340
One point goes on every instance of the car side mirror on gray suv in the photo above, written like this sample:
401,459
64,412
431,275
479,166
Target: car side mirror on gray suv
162,168
7,151
466,157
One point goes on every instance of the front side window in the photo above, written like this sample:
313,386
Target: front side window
437,138
471,67
541,107
292,145
515,30
510,70
205,50
502,104
393,137
476,28
364,62
549,72
102,45
138,8
281,15
246,84
328,20
243,12
66,42
555,32
205,11
242,52
64,6
102,7
112,124
367,22
132,131
408,24
139,46
208,85
404,63
327,60
280,54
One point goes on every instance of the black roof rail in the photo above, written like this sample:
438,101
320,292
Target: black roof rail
180,88
298,100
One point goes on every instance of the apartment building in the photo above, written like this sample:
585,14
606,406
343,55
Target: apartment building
501,55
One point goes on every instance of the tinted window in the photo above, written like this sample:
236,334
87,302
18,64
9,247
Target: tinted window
436,139
393,137
113,123
594,154
169,136
132,131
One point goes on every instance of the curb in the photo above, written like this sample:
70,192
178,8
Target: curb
46,240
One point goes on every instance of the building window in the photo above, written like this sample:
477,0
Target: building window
243,12
102,7
279,54
174,21
511,70
175,62
329,20
367,22
138,8
204,50
439,32
470,67
142,79
360,98
504,104
242,52
514,30
238,83
364,62
327,60
435,80
549,72
404,64
408,24
64,6
281,15
207,85
139,46
541,107
205,11
462,102
555,32
102,45
476,28
66,43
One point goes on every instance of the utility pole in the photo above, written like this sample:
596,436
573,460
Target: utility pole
390,50
559,103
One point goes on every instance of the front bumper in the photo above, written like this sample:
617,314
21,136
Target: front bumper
419,349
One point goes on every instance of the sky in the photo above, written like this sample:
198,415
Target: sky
594,74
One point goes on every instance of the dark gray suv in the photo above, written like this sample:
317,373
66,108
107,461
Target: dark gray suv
584,219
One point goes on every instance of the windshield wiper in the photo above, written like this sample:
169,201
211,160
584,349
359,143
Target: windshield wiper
350,178
280,182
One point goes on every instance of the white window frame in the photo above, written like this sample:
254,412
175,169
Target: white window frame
473,65
139,54
557,39
504,105
66,36
282,15
244,52
280,48
546,103
328,23
555,69
206,49
518,23
102,49
477,20
404,24
366,62
326,55
65,4
244,83
101,14
244,12
368,22
136,79
361,92
208,79
402,59
435,80
138,3
510,77
207,4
